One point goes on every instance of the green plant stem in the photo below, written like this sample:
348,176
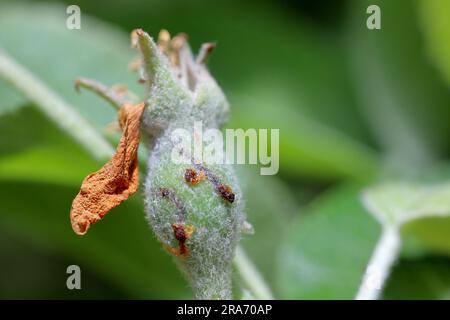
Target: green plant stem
65,116
384,256
251,276
55,108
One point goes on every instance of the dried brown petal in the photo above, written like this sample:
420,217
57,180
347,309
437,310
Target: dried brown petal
115,181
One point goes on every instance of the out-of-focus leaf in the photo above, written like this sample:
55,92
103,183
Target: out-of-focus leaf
436,29
430,234
326,250
47,278
403,98
34,149
37,38
10,98
269,206
122,247
427,278
398,203
306,147
393,205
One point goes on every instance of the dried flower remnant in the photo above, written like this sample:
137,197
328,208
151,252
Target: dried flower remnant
116,180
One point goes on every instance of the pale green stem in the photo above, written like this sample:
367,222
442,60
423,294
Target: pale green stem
99,88
385,254
251,276
55,108
65,116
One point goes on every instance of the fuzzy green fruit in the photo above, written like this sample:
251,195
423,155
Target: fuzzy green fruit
196,210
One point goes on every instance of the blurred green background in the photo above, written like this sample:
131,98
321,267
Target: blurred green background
354,107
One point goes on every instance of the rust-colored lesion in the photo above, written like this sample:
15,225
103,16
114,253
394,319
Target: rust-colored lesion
116,180
194,176
226,192
182,233
181,230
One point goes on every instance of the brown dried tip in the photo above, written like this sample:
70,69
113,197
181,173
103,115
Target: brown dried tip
181,233
115,181
226,192
77,85
205,52
193,176
164,40
135,37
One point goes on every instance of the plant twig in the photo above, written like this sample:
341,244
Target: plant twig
251,276
380,264
99,88
55,108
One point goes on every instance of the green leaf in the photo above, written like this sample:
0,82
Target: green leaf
33,149
427,278
436,30
47,278
325,250
329,252
122,248
427,235
38,39
11,99
403,99
307,148
269,206
398,203
394,204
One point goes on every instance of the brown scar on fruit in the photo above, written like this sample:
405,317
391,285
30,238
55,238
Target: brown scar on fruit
181,210
226,192
193,176
116,180
181,231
